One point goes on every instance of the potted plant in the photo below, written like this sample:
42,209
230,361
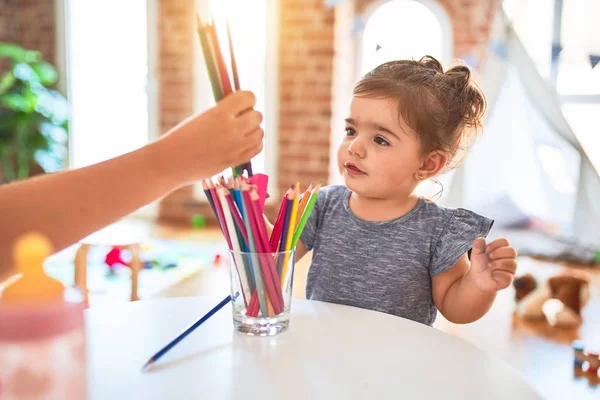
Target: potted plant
33,117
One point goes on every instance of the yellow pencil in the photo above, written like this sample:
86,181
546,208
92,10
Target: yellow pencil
291,228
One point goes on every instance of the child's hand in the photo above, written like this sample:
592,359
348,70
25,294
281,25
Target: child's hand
493,266
205,144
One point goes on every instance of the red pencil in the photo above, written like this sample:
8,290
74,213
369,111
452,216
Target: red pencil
252,310
267,278
220,215
277,229
265,245
220,60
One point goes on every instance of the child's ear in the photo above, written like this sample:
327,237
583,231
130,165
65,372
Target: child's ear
432,164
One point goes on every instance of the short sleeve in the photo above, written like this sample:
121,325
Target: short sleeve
456,238
312,225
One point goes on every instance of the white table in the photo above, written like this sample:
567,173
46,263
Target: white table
329,351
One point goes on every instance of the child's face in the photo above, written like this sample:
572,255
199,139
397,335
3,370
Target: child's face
380,155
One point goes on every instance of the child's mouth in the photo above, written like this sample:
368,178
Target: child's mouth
353,169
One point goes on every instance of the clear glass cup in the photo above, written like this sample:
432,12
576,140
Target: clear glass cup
261,291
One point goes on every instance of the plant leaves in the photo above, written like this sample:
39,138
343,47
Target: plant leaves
25,73
53,105
6,82
45,72
54,133
16,102
18,53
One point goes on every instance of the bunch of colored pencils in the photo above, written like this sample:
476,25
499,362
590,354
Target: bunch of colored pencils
217,69
261,260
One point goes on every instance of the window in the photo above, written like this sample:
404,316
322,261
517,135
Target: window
394,29
571,25
107,67
535,36
405,29
579,38
253,28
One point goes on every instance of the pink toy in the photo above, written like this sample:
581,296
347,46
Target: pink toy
261,181
217,259
42,339
114,257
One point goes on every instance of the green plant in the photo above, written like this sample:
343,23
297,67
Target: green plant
33,117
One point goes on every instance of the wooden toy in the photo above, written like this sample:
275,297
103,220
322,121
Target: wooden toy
582,356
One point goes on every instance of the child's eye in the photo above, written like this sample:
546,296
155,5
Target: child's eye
381,141
350,132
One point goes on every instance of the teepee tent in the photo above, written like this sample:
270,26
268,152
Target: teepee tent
528,163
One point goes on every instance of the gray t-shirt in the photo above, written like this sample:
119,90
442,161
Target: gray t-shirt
385,266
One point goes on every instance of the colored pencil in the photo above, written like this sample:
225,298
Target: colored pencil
207,53
303,203
268,279
266,248
239,264
236,216
252,310
220,214
253,252
277,228
189,330
210,201
285,230
288,244
222,68
305,215
236,79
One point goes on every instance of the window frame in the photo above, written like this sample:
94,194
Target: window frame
271,101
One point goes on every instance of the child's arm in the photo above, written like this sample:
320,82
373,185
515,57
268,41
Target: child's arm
300,250
70,205
466,291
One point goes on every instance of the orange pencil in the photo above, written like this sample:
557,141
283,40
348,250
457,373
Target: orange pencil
303,203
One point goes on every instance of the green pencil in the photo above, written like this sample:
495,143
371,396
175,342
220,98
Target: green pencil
209,59
304,218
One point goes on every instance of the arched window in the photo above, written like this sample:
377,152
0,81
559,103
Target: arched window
386,30
404,29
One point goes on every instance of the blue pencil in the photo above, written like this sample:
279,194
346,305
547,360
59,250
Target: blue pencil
237,195
189,330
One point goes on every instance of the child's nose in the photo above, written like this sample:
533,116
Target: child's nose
357,147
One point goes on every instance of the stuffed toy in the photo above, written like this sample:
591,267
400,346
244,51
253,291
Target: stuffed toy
558,300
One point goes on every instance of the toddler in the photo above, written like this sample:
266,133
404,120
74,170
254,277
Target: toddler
375,243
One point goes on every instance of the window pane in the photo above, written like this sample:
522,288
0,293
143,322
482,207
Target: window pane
533,20
107,68
248,21
579,38
395,20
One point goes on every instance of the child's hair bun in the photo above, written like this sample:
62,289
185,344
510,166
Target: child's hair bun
432,64
468,97
460,76
445,109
